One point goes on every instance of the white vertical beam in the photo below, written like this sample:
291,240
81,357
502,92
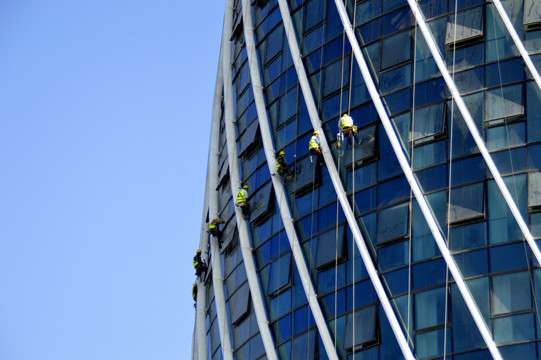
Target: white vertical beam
473,129
281,196
335,178
242,225
201,303
217,280
397,147
518,42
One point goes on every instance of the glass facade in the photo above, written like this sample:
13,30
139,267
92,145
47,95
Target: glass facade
485,241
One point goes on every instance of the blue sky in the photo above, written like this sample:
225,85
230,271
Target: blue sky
105,110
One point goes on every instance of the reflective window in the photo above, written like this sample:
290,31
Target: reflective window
280,274
509,257
469,25
511,160
395,79
532,12
502,224
305,174
262,203
470,80
511,292
429,308
499,44
429,273
468,236
467,170
393,223
467,202
314,13
333,76
533,102
504,72
280,305
429,92
247,141
433,178
304,346
364,150
273,44
472,263
534,189
330,247
504,102
396,20
465,332
431,343
393,191
365,327
393,256
428,121
396,49
514,328
239,303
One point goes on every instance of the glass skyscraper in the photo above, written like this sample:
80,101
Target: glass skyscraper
414,239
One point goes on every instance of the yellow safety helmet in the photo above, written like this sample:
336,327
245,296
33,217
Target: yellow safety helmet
245,187
198,251
282,153
316,133
194,284
345,115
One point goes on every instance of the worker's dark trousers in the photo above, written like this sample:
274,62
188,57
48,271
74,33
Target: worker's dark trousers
245,210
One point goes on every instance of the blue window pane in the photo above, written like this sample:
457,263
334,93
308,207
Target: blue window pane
433,178
398,101
364,294
499,44
532,12
510,161
463,143
365,200
364,150
533,102
282,329
365,323
238,303
504,72
429,273
335,49
534,189
393,191
302,320
431,343
280,274
395,79
465,333
305,174
433,8
396,49
333,78
367,10
534,157
511,292
467,202
314,13
313,40
393,256
428,121
370,31
467,57
429,92
424,246
514,328
430,308
430,154
304,346
280,305
397,281
396,20
504,102
330,247
393,223
274,43
469,25
326,279
468,236
335,305
470,80
467,170
502,224
522,351
334,24
388,165
508,257
472,263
